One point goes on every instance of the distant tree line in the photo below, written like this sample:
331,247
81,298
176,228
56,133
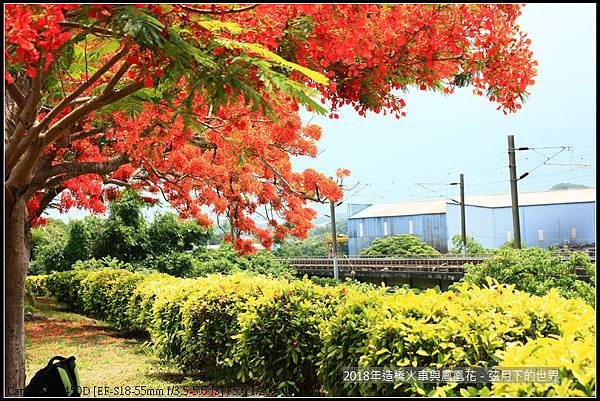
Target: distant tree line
126,240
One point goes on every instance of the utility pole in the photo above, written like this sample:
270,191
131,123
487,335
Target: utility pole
463,227
336,272
512,165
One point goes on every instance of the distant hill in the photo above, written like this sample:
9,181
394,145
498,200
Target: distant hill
567,185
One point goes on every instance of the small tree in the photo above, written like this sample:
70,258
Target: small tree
124,233
473,247
78,244
168,234
311,246
403,245
47,247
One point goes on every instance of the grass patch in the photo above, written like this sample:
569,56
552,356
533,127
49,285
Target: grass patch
104,357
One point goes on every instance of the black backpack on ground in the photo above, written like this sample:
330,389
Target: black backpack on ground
58,379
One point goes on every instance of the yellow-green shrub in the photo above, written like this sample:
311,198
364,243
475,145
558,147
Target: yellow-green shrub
210,322
37,285
105,295
575,358
166,329
65,287
141,301
279,338
572,350
298,336
343,339
467,329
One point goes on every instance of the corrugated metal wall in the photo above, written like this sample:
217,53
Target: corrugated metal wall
492,227
431,228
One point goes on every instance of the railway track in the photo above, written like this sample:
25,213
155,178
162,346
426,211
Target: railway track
453,266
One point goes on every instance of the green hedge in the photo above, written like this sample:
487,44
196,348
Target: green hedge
279,338
210,320
141,302
167,328
297,336
37,285
65,286
536,271
471,328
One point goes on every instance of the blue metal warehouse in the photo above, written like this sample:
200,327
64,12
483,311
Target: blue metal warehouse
424,219
547,218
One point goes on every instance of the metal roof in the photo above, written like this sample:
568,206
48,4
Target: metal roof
535,198
402,209
491,201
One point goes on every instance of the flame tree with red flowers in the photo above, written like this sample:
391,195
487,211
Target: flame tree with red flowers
198,104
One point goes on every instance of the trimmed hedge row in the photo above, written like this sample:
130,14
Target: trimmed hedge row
37,285
470,328
298,337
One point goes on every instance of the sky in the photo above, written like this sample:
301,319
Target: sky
443,136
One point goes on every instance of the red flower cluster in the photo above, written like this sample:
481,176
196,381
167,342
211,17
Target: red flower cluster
368,52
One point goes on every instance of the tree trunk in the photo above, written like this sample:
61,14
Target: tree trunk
15,271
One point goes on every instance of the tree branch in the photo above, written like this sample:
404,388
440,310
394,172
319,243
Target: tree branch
31,154
86,134
75,94
15,94
19,147
24,121
79,100
204,11
47,198
93,29
60,173
201,143
287,184
93,104
115,79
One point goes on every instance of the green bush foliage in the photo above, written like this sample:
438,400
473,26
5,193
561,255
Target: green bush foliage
124,235
226,260
167,329
473,247
298,336
100,264
403,245
47,247
178,264
575,357
279,338
56,246
210,320
37,285
140,307
471,328
167,234
65,286
535,271
105,295
296,248
78,244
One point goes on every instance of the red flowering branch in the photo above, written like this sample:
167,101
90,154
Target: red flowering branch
91,29
230,11
288,186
